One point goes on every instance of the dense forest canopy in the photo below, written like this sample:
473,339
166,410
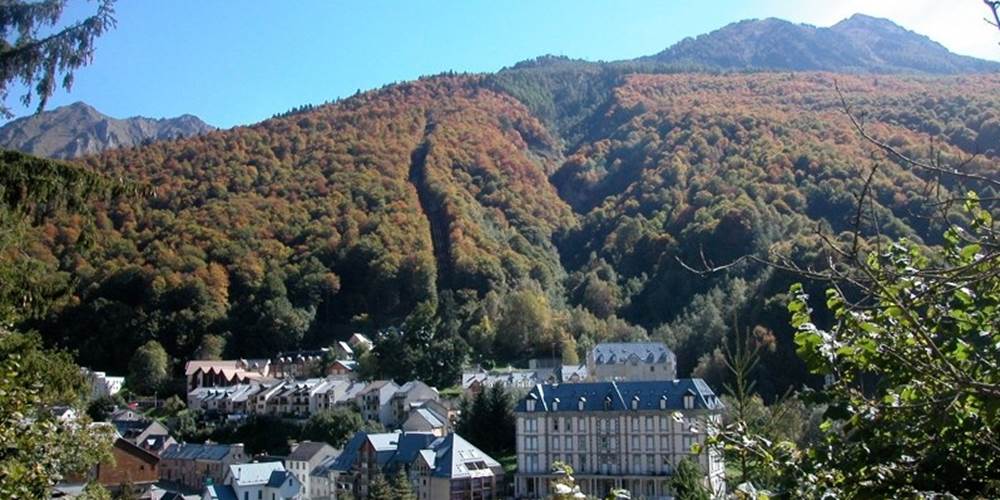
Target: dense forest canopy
531,212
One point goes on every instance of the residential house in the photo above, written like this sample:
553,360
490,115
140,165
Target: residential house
336,392
191,465
408,396
360,343
374,401
149,435
615,435
304,458
342,367
631,361
131,465
303,363
342,350
256,481
515,379
102,385
437,467
426,420
574,374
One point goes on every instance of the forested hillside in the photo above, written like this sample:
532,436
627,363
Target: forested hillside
447,197
531,212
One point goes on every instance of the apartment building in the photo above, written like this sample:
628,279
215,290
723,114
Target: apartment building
626,435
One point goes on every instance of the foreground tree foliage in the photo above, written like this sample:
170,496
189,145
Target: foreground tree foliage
40,61
38,450
913,408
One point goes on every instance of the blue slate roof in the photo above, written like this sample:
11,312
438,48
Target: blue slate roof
191,451
278,478
220,492
609,353
618,396
449,456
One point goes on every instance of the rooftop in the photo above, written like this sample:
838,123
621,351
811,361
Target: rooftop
619,396
607,353
192,451
255,474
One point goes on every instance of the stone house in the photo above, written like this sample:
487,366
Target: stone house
304,458
191,465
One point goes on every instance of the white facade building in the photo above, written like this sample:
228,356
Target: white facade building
626,435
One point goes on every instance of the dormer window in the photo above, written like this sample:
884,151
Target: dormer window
688,401
635,402
663,402
607,402
580,404
531,405
555,404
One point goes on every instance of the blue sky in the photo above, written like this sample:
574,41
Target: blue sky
239,62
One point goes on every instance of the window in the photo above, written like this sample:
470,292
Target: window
635,423
555,444
649,423
260,493
555,424
663,423
569,443
568,424
530,425
583,461
531,443
651,464
636,463
246,495
635,442
531,405
582,443
649,442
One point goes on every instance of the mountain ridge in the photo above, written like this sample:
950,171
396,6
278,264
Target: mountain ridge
860,43
79,129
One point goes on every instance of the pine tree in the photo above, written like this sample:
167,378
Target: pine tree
401,487
39,61
688,482
380,489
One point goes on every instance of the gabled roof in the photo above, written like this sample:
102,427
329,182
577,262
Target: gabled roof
307,450
220,492
135,451
376,385
192,451
428,416
609,353
618,396
454,457
255,474
192,366
449,456
278,478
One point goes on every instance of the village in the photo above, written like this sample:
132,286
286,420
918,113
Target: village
621,421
